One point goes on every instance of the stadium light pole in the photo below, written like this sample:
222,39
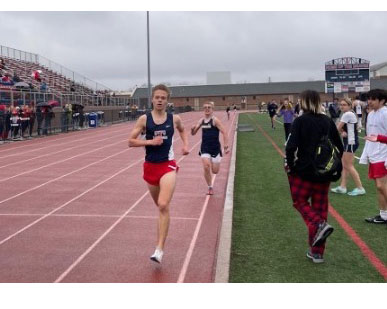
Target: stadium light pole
149,78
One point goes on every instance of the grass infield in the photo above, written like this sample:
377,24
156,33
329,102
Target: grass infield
269,238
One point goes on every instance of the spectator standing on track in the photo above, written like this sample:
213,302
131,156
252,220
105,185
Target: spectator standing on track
25,119
7,123
32,120
2,122
287,112
228,112
375,154
272,109
160,167
305,184
347,127
15,123
69,111
234,108
133,111
210,149
39,119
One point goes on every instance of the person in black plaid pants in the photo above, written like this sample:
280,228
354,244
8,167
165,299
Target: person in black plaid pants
310,192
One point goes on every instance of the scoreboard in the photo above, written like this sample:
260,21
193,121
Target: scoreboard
347,74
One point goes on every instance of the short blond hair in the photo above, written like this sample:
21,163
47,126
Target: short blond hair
209,103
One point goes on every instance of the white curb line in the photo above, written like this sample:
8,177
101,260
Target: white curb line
224,248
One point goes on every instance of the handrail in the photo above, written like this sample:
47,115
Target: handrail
52,65
15,96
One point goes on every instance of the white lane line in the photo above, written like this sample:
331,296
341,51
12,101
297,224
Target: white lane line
55,145
68,202
115,132
192,245
64,137
94,216
88,250
60,177
66,149
72,172
61,161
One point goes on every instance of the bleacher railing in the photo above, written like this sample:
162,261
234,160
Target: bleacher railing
51,65
27,97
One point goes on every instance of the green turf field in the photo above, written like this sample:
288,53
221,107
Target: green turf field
269,238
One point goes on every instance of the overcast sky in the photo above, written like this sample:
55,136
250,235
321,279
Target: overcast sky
110,47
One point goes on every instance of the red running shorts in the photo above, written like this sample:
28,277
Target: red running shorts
154,171
377,170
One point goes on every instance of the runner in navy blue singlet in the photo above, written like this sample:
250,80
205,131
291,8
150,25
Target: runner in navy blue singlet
210,149
159,167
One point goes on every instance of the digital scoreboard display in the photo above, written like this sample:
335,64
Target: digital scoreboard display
347,74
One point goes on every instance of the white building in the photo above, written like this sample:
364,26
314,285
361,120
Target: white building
378,70
218,78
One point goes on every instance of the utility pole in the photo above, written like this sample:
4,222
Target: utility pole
149,106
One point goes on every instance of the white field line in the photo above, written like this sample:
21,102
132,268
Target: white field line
192,245
66,149
84,254
89,136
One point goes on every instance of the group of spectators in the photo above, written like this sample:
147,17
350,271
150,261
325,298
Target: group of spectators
17,123
9,77
320,150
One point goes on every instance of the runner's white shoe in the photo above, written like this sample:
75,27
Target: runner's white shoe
157,255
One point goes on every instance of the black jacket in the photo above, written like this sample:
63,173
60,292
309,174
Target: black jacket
304,136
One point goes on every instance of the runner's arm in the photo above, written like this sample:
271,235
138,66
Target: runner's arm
182,132
220,126
138,128
196,127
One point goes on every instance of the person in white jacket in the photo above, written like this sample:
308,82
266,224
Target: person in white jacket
375,154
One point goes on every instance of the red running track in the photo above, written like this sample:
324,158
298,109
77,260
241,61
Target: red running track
74,208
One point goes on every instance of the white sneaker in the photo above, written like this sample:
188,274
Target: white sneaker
157,255
339,190
357,191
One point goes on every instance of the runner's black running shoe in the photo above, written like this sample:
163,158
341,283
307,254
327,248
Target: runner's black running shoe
377,220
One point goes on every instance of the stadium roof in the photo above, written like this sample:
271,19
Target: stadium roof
249,89
376,67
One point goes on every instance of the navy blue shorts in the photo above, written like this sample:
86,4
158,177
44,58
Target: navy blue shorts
350,148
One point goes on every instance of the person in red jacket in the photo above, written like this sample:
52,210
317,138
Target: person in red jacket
377,138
